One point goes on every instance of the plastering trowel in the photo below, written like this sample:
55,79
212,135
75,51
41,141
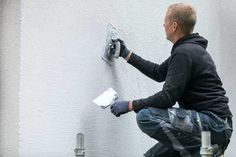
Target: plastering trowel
112,47
106,99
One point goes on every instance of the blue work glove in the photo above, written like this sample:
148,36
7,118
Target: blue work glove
120,107
124,52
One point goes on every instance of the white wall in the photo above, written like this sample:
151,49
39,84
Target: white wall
61,71
9,77
227,47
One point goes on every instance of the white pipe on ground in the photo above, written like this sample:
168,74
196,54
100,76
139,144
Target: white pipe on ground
206,148
80,150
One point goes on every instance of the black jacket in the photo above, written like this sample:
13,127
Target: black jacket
190,79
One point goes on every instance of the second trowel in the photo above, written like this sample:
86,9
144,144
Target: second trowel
112,47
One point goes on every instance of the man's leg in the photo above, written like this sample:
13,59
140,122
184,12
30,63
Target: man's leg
180,130
177,131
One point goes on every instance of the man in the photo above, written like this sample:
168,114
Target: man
191,80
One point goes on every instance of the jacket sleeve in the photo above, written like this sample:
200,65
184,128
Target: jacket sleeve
154,71
177,79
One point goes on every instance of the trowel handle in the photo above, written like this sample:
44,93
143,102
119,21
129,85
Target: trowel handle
114,100
117,50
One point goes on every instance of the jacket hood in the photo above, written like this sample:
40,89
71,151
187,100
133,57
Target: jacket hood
194,38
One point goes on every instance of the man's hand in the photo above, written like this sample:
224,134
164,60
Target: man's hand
120,107
124,52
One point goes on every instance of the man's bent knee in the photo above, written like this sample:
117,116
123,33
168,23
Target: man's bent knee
143,116
147,122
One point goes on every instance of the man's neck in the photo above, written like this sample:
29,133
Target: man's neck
176,37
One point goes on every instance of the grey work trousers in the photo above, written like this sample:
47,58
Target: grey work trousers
178,131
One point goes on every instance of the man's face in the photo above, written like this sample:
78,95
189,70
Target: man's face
168,27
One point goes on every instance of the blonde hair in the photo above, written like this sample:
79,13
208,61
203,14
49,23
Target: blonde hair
184,15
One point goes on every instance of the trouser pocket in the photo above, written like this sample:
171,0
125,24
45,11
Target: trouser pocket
181,119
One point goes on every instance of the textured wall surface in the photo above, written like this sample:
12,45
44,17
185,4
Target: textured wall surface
61,71
227,47
9,77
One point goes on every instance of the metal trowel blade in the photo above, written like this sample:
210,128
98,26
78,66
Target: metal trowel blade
112,34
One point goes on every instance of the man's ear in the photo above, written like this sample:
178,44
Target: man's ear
174,26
